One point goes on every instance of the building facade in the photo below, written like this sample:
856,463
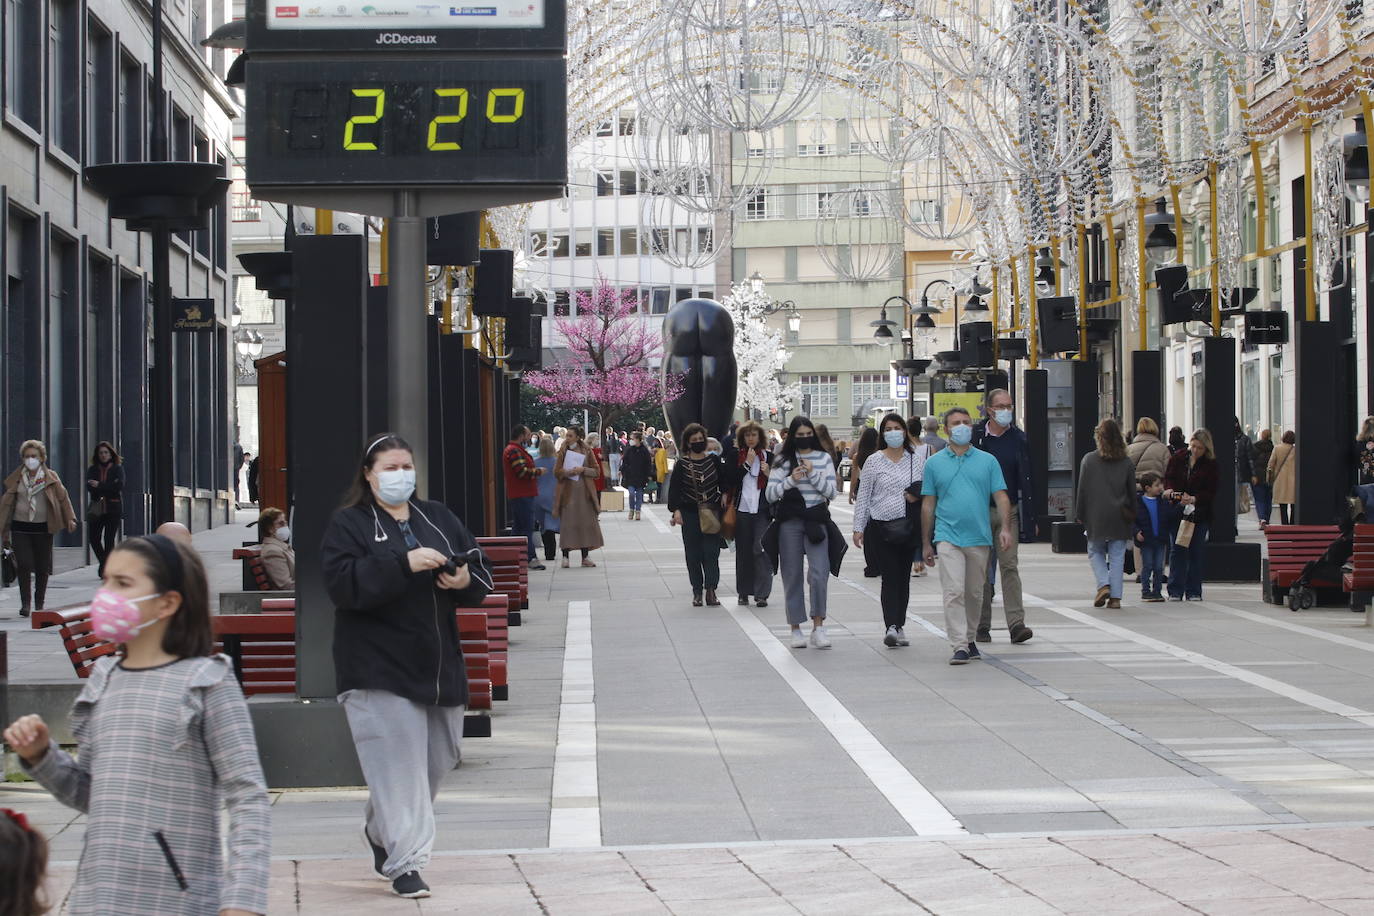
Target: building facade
75,306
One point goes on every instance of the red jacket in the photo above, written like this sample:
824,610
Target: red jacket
521,479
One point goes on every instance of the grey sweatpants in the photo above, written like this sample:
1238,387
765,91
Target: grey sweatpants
793,549
405,750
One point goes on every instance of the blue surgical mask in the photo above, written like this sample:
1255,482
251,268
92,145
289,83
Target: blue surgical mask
1003,417
961,435
395,487
894,438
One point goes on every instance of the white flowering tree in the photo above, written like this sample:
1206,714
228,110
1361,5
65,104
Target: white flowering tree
758,353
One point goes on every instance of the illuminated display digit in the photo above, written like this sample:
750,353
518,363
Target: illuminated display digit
517,94
379,97
462,96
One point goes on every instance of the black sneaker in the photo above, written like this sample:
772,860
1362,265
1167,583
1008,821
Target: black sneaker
378,855
410,885
973,653
1020,633
743,601
960,657
761,602
984,636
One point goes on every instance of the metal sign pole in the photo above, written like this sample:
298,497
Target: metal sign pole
407,355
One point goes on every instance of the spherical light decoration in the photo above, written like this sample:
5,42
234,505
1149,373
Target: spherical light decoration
692,165
857,236
939,203
680,237
1251,28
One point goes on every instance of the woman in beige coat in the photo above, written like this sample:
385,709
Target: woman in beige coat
1146,452
34,507
575,502
1283,474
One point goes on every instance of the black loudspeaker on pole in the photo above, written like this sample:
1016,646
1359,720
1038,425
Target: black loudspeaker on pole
1035,413
1147,388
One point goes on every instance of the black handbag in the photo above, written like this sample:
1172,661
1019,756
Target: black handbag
901,531
98,509
9,569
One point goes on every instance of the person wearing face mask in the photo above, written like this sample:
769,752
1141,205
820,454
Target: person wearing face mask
166,750
278,558
105,489
575,502
636,469
888,512
1002,439
696,493
35,506
800,488
960,481
753,461
396,568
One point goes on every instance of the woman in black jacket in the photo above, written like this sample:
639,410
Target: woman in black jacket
636,467
396,568
700,480
104,512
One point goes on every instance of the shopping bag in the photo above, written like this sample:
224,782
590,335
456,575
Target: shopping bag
1185,534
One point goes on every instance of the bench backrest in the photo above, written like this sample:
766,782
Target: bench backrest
1297,545
74,625
263,647
254,573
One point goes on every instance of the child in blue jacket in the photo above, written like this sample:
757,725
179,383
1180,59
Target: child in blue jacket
1151,532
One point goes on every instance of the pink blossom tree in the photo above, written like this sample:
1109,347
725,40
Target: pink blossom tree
607,372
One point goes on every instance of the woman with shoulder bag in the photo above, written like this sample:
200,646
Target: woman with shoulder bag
800,488
696,494
1192,482
753,570
887,514
575,503
1283,476
35,506
105,486
863,450
1105,504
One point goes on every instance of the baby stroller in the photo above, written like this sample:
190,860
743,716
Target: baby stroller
1327,570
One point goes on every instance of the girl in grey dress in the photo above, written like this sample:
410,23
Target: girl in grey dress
165,741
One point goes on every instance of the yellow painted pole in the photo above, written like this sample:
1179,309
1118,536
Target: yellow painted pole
1081,235
446,311
996,313
1142,274
1054,266
1216,248
1034,346
324,222
1015,323
1178,223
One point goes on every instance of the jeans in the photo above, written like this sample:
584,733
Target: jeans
703,553
794,549
615,468
963,576
1107,558
636,498
1152,569
522,522
1185,571
753,569
1264,500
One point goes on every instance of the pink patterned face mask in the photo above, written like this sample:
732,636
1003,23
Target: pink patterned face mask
115,618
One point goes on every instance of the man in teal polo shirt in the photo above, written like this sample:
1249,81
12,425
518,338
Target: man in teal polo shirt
959,483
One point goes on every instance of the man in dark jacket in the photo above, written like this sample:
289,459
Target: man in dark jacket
1000,437
1245,465
636,467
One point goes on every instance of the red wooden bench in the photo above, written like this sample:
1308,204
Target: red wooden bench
74,626
509,560
254,573
1359,580
263,647
1290,549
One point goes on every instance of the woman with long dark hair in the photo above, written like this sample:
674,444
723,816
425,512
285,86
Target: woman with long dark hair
884,518
396,568
867,445
1192,481
105,487
575,502
800,487
1105,504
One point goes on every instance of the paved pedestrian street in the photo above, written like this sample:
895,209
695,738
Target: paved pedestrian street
1211,757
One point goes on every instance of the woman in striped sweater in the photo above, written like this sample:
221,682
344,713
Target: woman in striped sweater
801,486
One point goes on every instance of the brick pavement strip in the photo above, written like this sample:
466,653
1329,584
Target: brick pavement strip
1226,874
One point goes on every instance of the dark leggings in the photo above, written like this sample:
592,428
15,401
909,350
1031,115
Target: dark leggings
894,564
103,533
33,557
550,544
584,553
1283,513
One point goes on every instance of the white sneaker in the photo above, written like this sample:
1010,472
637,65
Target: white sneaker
901,637
818,639
798,639
890,638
